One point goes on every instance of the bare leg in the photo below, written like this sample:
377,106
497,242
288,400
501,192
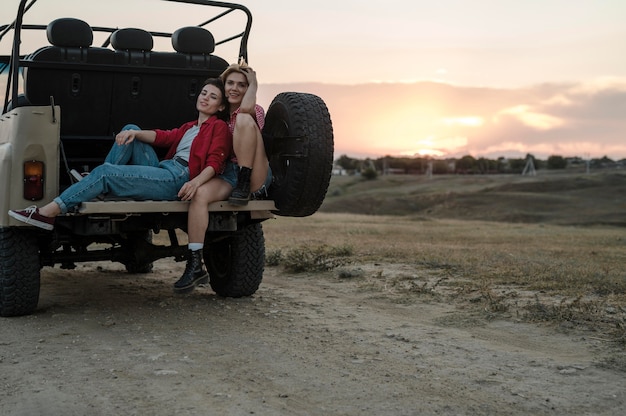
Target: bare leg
260,165
197,222
250,149
51,209
198,216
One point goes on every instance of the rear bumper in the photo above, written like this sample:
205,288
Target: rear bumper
257,209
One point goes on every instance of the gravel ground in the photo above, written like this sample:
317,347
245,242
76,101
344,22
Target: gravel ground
104,342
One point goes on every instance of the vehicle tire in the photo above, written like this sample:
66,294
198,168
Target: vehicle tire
136,245
19,272
236,263
298,137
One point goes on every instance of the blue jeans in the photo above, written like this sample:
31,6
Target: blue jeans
131,171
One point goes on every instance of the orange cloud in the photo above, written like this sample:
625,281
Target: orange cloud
536,120
373,120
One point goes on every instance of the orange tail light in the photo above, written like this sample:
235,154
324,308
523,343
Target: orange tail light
33,180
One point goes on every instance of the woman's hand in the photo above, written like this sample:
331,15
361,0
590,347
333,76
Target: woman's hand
250,75
188,190
125,137
248,102
128,136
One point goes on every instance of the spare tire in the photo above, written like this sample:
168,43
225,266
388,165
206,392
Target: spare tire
298,136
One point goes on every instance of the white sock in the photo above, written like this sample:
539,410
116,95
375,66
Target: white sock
196,246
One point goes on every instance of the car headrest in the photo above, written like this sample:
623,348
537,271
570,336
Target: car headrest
69,32
194,40
132,39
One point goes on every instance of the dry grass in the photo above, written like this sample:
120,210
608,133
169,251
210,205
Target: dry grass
549,248
551,197
532,271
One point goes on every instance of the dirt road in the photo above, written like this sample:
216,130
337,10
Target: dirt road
104,342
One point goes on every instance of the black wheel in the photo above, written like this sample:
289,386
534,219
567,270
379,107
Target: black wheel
137,245
235,264
19,272
299,144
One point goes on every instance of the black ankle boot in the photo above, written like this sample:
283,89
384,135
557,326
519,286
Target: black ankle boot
241,194
194,273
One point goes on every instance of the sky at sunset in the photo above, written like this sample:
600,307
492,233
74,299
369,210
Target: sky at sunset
445,78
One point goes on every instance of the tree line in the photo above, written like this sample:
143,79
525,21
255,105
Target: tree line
465,165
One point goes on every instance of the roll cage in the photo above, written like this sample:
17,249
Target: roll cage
14,63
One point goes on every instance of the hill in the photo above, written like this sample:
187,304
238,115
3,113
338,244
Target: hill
561,198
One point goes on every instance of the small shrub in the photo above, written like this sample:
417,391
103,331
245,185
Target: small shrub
350,273
369,174
273,258
315,259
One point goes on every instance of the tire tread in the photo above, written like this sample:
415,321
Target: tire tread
19,272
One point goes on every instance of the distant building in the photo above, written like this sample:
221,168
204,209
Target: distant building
339,171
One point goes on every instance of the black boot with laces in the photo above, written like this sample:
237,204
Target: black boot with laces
241,194
194,273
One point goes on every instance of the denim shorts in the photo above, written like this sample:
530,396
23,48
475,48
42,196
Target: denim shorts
230,174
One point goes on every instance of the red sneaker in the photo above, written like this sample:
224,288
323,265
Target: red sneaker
32,216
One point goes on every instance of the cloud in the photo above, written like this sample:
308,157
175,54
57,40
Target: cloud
530,117
546,119
598,85
372,120
603,99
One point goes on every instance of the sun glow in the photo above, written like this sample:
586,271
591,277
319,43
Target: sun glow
423,152
463,121
443,121
436,146
416,129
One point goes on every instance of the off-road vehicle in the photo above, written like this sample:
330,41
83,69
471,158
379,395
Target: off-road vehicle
73,80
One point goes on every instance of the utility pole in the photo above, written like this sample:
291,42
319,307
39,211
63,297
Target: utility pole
529,169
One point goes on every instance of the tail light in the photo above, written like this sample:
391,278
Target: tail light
33,180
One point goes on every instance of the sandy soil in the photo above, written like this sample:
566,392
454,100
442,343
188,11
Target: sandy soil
104,342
